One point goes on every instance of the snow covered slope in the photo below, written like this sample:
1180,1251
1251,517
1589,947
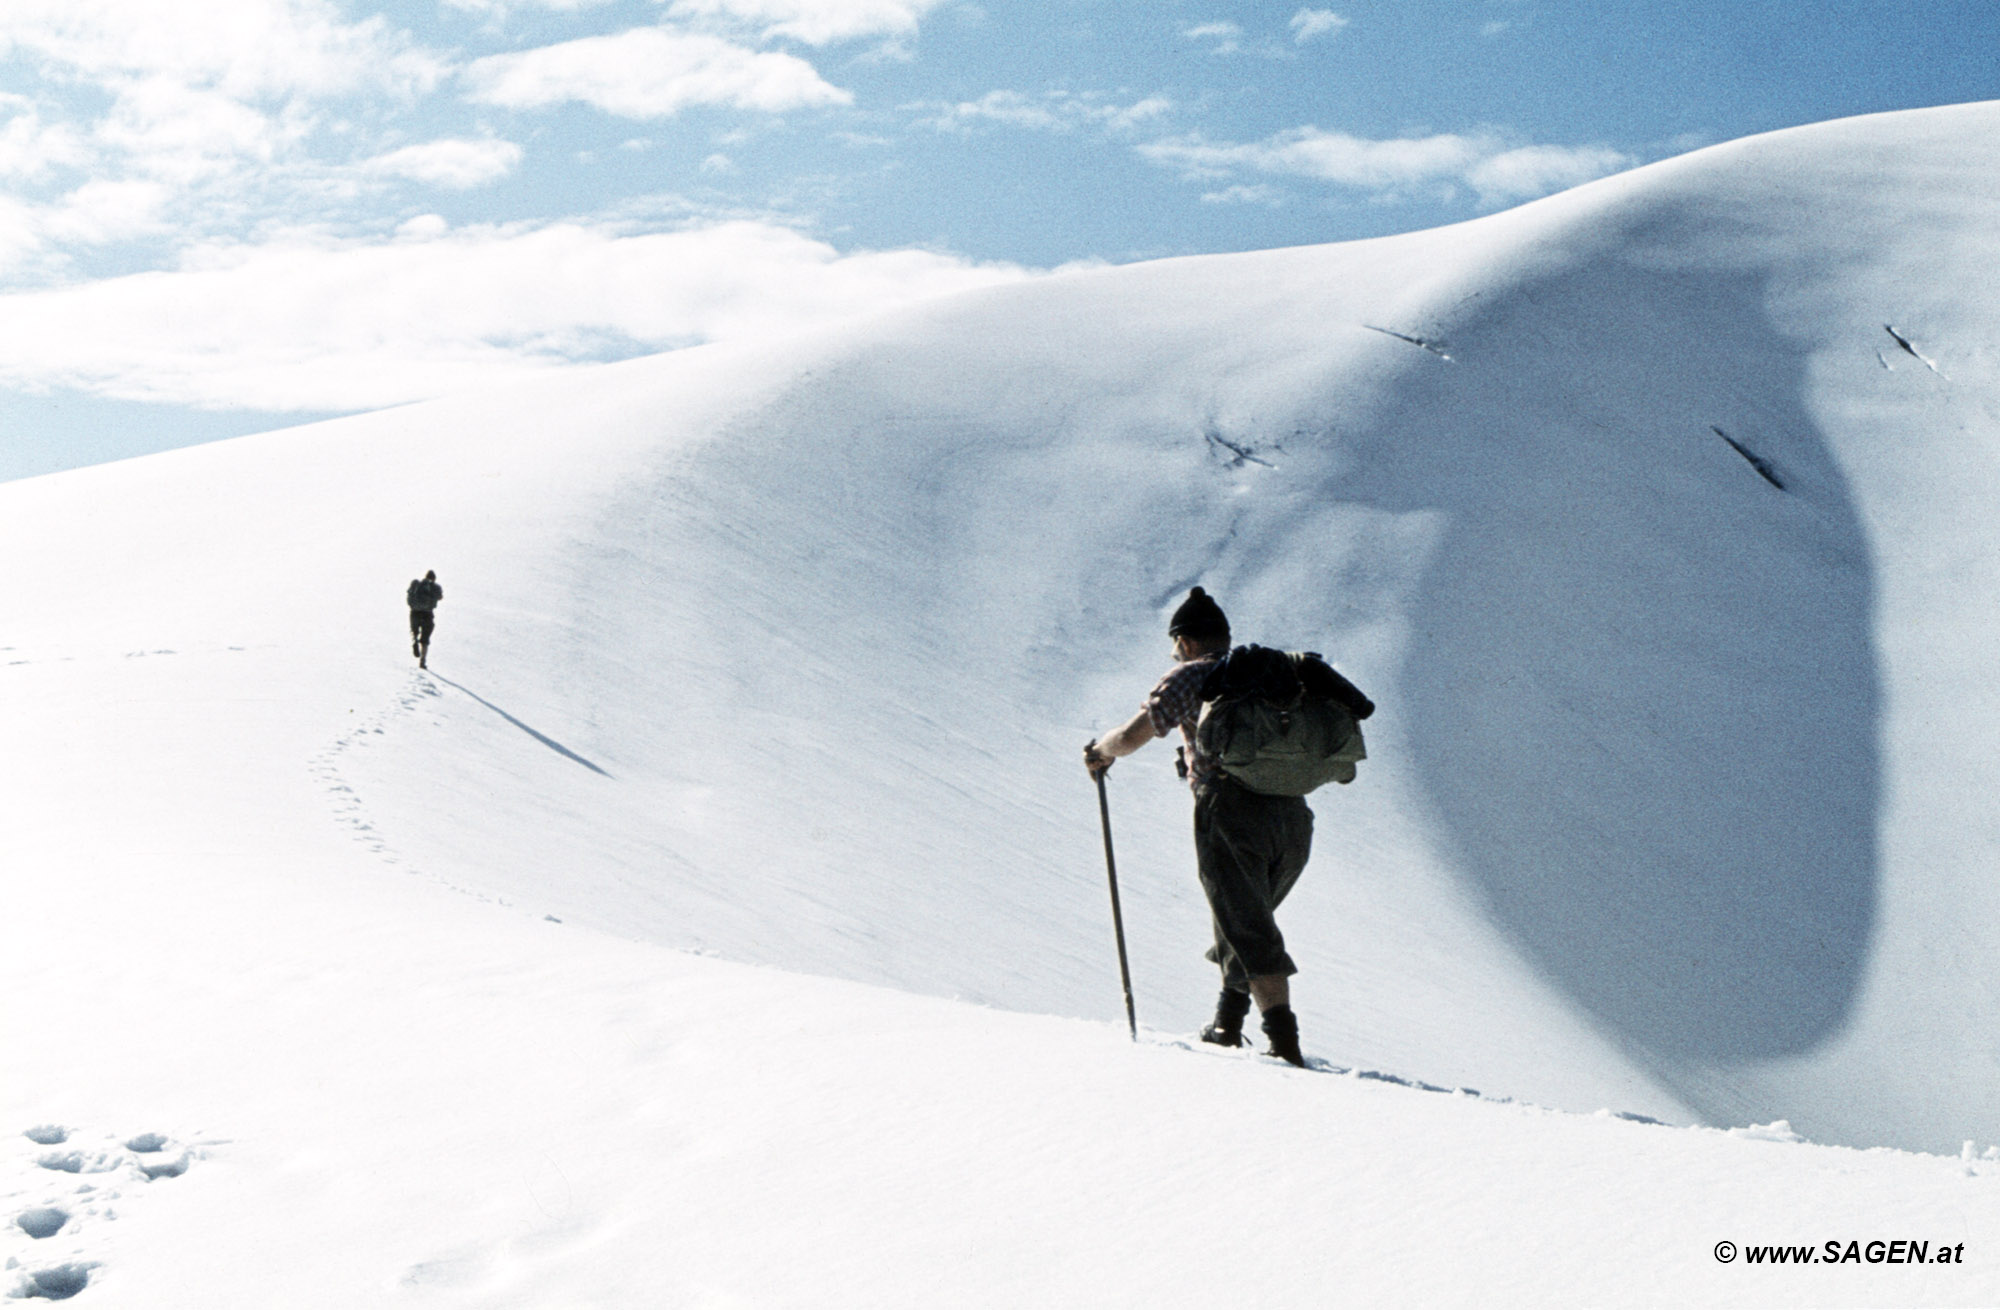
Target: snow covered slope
1654,515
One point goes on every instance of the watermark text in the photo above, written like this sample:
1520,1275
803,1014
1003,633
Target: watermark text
1900,1251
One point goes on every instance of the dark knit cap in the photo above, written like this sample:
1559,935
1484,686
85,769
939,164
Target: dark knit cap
1199,618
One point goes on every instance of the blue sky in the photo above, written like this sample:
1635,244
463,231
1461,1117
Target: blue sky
221,218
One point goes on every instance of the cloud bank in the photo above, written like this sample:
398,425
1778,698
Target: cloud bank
456,165
241,49
225,205
813,22
1311,24
311,322
651,72
1497,171
1051,111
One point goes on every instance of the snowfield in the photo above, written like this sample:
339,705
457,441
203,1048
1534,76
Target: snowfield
721,920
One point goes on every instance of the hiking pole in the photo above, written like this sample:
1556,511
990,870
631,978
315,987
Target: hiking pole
1117,919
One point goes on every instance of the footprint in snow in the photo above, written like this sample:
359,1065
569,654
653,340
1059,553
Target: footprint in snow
80,1162
61,1282
57,1284
154,1144
43,1221
1418,1084
77,1162
165,1168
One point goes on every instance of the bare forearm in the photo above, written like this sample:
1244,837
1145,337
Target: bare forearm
1125,739
1129,737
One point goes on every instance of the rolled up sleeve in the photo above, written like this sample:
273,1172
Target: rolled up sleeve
1177,699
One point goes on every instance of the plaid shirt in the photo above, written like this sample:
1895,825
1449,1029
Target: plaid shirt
1176,703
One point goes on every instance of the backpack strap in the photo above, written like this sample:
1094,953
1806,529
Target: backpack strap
1212,685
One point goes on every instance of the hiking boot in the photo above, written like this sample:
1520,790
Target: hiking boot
1282,1027
1227,1030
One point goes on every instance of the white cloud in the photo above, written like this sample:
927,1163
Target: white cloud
424,227
1245,195
1324,156
168,129
188,114
1012,108
1537,170
1227,36
99,213
814,22
1142,111
458,164
30,148
20,233
651,72
1497,170
102,212
1309,24
1054,111
315,323
246,49
502,8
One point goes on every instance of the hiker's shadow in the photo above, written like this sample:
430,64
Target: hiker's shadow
1641,693
544,739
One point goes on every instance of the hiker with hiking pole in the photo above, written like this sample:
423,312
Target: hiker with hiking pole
423,596
1261,728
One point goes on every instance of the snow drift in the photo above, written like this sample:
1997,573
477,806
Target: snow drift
1655,516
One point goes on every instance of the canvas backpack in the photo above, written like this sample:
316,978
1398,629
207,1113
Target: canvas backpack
422,595
1281,723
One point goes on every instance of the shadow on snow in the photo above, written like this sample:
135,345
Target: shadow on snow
1648,718
547,741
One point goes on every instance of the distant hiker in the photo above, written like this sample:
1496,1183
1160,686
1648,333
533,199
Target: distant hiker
1251,844
423,596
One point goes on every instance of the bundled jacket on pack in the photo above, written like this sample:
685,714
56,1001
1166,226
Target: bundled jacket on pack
424,595
1282,723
